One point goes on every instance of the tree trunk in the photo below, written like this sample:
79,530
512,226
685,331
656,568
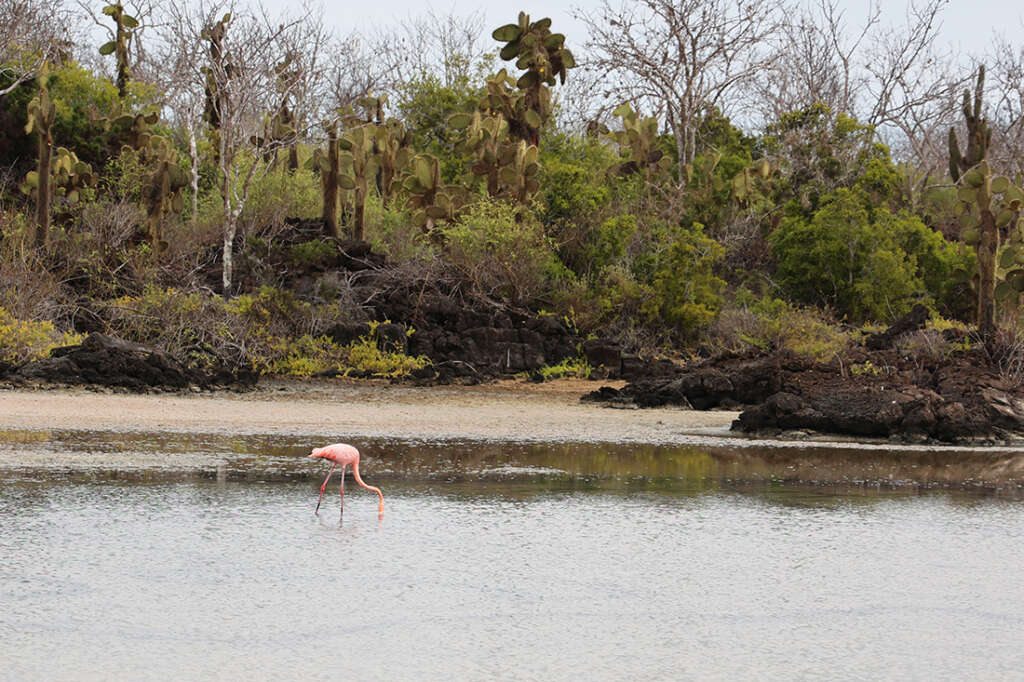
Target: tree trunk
43,191
230,227
193,155
680,133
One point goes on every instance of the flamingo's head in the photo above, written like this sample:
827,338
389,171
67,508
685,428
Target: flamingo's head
317,453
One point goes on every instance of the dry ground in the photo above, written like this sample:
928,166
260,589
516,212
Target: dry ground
340,410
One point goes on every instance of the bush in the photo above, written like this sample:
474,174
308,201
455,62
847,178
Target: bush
501,249
575,368
390,231
685,282
22,340
866,264
278,195
771,324
310,355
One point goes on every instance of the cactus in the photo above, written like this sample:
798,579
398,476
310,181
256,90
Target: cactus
326,163
359,164
520,174
41,115
215,34
164,193
486,137
393,156
69,177
126,26
430,199
979,134
749,181
637,142
990,211
131,130
543,57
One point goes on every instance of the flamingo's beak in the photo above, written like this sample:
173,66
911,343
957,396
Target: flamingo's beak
312,455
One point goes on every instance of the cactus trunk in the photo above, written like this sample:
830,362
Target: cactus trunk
43,198
329,182
359,216
986,250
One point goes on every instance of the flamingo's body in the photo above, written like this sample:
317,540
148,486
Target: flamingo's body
343,454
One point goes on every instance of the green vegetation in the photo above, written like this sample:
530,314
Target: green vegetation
122,202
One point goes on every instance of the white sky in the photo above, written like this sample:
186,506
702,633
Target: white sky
967,24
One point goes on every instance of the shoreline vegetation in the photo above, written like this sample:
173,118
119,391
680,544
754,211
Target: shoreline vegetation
215,199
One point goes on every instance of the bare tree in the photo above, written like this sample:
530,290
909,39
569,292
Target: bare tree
448,46
891,77
243,90
32,32
681,58
1007,115
818,62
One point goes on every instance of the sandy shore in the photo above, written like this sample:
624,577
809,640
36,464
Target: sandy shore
508,410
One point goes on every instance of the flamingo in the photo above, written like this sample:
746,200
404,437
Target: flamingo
343,454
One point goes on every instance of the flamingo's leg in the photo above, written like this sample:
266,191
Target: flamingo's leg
343,491
317,511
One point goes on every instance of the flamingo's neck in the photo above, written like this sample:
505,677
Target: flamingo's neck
359,480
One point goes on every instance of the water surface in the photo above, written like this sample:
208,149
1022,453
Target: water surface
171,556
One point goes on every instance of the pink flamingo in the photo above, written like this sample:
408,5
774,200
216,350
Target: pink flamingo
343,454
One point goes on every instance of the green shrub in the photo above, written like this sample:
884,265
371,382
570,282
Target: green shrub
771,324
574,368
390,231
278,195
309,355
686,284
312,253
503,251
867,264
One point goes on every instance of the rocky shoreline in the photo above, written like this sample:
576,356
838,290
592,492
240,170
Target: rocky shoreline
875,390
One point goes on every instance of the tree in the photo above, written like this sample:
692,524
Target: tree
243,91
865,262
32,33
680,58
892,79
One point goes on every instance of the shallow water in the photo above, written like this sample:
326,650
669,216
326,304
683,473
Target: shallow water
170,556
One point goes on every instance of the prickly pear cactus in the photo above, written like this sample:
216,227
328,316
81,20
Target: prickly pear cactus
42,113
393,155
990,209
125,26
358,166
520,173
544,60
428,197
747,185
326,163
485,137
164,192
638,142
979,134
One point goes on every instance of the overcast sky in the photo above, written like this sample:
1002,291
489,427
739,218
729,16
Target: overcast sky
967,24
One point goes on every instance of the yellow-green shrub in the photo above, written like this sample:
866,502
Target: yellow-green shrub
770,324
24,340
